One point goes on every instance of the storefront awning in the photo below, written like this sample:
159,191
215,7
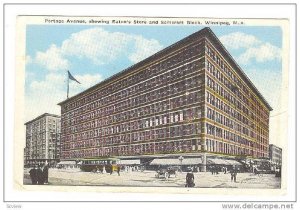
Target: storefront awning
67,163
175,161
218,161
233,162
130,162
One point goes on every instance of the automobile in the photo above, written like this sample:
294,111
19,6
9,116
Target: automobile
166,172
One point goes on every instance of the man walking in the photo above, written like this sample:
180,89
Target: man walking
118,170
233,174
40,177
45,173
190,178
33,175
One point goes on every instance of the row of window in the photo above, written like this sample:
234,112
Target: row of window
94,139
142,103
36,125
260,114
221,119
130,121
257,127
153,92
225,148
138,149
229,72
233,114
183,56
234,137
261,110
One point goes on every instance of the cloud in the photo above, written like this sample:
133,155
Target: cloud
238,40
102,46
96,44
86,81
143,48
52,59
269,83
252,48
262,53
99,46
51,82
43,96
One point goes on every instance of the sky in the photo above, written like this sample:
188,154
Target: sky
94,53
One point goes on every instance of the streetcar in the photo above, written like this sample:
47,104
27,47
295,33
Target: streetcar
102,165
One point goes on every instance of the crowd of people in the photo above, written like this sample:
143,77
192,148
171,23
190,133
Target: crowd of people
39,174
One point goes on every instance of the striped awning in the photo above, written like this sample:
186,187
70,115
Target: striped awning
233,162
216,161
70,162
130,162
219,161
176,161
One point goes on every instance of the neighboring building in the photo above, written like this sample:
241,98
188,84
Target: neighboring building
42,140
275,154
189,99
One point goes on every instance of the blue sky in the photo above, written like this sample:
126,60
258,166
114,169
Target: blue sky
94,53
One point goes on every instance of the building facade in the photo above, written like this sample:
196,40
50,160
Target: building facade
190,99
275,154
42,140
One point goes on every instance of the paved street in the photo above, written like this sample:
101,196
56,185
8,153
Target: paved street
148,179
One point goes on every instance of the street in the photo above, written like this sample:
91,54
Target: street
148,179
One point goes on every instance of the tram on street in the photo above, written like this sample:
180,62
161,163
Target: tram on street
103,165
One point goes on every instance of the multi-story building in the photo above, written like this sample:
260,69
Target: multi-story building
275,154
189,99
42,140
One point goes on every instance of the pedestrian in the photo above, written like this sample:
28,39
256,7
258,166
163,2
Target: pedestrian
40,177
118,170
33,175
111,168
225,170
190,178
255,170
46,173
233,174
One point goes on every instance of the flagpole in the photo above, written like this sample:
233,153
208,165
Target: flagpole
68,85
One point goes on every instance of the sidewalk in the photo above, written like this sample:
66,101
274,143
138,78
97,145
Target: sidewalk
148,179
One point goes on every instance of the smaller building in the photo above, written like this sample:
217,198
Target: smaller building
42,140
275,154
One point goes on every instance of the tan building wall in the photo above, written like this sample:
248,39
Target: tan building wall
42,139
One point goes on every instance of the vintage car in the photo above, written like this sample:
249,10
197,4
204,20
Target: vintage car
166,172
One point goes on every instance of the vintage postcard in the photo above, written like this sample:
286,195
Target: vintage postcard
146,104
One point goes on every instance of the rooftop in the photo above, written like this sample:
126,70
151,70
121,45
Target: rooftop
41,116
207,32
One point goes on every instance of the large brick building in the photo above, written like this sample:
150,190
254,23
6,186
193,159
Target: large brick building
189,99
42,140
275,154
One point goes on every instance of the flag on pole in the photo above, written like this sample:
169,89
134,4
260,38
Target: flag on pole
72,78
